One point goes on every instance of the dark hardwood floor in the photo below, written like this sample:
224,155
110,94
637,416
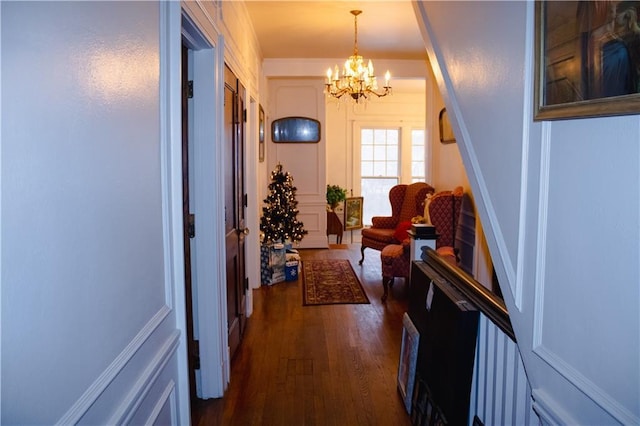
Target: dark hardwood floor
316,365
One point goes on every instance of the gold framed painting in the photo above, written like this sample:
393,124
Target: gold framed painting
353,212
587,59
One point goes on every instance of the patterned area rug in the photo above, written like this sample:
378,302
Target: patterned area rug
329,282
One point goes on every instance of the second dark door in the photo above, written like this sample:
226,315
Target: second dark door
234,206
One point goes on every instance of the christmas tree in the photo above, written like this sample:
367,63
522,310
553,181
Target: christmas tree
279,221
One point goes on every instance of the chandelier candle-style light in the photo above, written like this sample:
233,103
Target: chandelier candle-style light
357,80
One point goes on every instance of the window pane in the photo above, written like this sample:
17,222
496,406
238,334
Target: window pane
376,198
367,153
366,136
380,153
393,137
417,169
392,153
417,152
379,169
366,168
380,135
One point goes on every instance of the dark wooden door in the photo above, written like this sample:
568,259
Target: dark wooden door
234,208
188,231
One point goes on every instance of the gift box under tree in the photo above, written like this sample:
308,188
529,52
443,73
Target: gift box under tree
291,270
272,263
277,261
265,269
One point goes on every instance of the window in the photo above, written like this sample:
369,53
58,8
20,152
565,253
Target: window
379,169
386,161
417,155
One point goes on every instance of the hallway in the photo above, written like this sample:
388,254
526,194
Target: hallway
316,365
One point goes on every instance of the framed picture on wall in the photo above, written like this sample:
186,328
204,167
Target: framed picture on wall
353,212
587,59
446,132
260,134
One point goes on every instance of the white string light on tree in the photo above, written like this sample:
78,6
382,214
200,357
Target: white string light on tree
279,222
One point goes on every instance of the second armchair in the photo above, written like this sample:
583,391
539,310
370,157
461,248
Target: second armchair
407,201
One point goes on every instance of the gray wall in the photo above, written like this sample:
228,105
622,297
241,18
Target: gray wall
560,204
89,328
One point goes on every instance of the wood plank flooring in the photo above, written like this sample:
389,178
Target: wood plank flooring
316,365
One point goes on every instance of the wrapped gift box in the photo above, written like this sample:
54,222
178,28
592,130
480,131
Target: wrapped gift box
291,270
277,262
272,263
265,269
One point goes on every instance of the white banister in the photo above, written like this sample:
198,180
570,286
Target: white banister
500,391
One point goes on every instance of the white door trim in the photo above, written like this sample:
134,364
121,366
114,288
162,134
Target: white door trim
207,192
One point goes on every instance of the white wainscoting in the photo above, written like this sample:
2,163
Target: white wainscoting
136,381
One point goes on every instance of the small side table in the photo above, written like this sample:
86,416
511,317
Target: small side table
334,226
418,241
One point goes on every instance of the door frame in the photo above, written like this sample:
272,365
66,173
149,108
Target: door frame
206,121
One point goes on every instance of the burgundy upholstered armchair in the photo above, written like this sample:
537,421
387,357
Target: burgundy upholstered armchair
444,213
407,201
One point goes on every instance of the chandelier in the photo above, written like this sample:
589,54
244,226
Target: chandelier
357,80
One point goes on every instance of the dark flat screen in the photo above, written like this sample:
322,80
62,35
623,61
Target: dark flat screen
295,129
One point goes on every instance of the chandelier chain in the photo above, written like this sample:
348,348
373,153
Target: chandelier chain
355,13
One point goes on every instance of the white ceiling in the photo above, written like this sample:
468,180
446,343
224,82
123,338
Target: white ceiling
325,29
